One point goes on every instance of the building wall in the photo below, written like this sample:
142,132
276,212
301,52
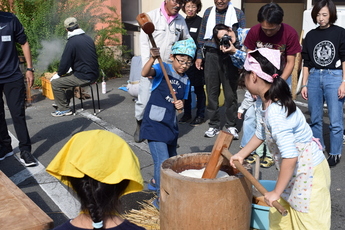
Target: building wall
117,5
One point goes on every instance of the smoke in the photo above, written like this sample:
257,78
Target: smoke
51,51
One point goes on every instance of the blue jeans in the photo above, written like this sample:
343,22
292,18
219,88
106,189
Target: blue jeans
160,151
289,81
323,86
249,124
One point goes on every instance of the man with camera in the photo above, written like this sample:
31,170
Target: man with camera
218,66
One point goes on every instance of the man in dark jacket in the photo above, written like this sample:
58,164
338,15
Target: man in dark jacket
13,87
78,66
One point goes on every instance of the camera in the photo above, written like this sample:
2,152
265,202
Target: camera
225,41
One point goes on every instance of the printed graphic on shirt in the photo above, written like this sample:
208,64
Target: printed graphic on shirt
176,85
280,47
324,53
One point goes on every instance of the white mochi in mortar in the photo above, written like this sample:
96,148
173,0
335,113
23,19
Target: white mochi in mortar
197,173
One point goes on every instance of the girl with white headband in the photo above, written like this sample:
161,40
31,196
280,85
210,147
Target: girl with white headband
303,184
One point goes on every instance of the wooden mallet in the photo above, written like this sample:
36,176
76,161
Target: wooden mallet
146,24
213,165
226,153
219,152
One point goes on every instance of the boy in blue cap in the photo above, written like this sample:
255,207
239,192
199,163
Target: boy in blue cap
159,125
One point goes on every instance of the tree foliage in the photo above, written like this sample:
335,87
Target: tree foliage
43,21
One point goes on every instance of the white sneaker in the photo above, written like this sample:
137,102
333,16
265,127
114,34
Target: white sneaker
233,131
211,132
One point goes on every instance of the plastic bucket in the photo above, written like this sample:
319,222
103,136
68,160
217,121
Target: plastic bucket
259,218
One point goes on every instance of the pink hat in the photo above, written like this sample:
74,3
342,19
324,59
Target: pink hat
251,64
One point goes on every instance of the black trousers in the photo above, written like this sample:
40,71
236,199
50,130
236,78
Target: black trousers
15,98
219,70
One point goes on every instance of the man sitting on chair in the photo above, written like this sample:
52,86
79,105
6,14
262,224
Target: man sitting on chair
79,55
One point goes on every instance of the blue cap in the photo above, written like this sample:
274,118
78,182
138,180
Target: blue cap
186,47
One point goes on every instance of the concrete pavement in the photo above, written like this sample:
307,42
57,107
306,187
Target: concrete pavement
49,134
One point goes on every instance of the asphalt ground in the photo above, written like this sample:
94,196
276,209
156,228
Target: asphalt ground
49,134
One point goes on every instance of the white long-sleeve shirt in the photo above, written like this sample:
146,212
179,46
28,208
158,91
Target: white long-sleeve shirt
246,103
164,35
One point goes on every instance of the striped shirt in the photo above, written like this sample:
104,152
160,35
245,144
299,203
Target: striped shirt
286,131
220,18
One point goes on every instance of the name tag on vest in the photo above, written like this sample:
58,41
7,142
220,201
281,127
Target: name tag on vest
6,38
193,30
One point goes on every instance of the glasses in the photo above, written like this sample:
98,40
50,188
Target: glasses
191,7
189,63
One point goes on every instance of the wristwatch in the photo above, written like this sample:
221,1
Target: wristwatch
30,69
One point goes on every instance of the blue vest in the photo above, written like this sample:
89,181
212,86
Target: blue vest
160,121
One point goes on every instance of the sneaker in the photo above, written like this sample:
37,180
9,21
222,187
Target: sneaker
184,119
333,160
266,162
344,137
58,113
211,132
233,131
27,159
5,152
197,121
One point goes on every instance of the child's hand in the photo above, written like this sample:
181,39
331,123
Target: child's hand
236,157
178,104
155,52
270,197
